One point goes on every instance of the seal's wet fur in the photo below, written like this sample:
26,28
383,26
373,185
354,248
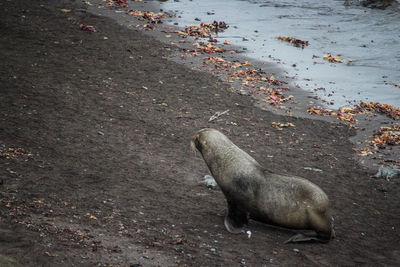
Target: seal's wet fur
253,192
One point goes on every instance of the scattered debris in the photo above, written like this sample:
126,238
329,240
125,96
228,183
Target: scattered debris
388,172
388,110
195,31
248,232
215,59
294,41
210,182
50,254
387,136
207,48
151,17
280,126
11,153
363,152
346,117
117,3
179,241
351,110
276,97
219,26
321,111
333,59
87,28
217,115
204,30
313,169
341,114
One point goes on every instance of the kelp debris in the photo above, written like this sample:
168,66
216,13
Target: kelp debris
275,97
13,152
204,30
386,109
280,125
344,114
363,151
294,41
215,59
387,135
151,17
117,3
87,28
333,59
207,48
219,26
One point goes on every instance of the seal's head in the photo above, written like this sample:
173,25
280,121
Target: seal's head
195,142
206,138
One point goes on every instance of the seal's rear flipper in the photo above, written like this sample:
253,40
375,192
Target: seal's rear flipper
306,236
301,238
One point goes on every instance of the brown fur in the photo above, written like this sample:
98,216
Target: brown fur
251,191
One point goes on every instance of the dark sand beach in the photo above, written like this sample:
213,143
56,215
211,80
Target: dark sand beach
96,167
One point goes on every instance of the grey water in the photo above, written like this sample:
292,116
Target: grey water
368,40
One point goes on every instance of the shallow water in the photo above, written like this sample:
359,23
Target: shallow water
369,37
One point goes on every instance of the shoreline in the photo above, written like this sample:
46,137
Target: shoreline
260,27
297,107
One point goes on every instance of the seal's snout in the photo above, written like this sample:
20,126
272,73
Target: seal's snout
194,143
198,141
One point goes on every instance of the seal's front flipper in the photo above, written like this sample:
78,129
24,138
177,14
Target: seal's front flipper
236,219
231,227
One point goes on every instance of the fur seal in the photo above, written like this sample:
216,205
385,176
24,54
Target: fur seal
253,192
